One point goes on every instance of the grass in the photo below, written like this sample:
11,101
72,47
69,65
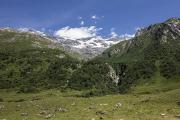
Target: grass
134,106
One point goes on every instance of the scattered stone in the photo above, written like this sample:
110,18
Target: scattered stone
146,99
44,112
100,112
101,118
18,105
24,114
103,104
162,114
48,116
73,104
177,116
61,110
118,105
2,107
92,107
35,98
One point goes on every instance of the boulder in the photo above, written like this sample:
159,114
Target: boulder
48,116
24,114
61,110
118,105
100,112
2,107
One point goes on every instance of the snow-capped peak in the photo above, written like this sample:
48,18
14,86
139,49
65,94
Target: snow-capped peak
32,31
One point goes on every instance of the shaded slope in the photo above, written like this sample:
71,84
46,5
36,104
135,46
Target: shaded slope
27,61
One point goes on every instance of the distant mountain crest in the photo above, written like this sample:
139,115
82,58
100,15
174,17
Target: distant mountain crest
87,47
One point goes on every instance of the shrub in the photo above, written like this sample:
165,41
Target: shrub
27,89
1,100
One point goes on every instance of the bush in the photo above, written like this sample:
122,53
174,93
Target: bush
27,89
95,92
1,100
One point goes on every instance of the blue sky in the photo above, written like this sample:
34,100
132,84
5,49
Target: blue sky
121,16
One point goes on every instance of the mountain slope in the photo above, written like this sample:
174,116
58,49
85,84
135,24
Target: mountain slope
153,54
90,47
28,61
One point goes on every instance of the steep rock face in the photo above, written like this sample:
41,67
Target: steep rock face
112,74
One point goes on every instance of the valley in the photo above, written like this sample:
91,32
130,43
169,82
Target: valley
138,78
57,105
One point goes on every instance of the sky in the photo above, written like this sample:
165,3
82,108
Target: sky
90,17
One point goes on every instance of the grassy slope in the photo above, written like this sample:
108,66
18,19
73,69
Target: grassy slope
156,84
134,106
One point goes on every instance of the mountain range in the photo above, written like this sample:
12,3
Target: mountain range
86,47
30,60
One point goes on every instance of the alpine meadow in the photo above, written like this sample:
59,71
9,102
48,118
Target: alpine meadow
89,60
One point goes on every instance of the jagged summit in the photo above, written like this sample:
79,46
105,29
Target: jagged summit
173,20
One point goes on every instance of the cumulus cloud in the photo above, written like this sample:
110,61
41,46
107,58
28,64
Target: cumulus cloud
113,34
94,17
82,23
77,33
127,35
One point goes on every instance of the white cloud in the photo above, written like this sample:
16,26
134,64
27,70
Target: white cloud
82,23
77,33
127,35
94,17
113,34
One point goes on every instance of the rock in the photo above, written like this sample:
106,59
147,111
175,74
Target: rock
100,112
18,105
73,104
177,116
44,112
2,107
162,114
48,116
93,119
101,118
35,98
61,110
103,104
146,99
118,105
24,114
92,107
